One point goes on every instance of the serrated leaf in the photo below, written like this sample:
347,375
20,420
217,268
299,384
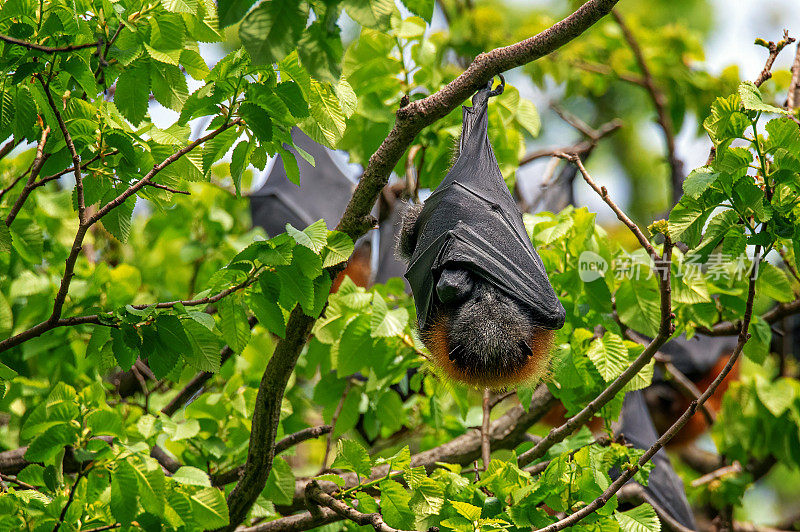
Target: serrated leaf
385,322
233,324
271,30
338,249
314,237
169,86
191,476
639,519
180,6
350,455
133,91
753,101
370,13
609,355
698,181
124,493
280,484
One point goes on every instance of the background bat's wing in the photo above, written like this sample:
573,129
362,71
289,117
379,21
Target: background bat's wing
388,264
664,485
696,356
323,192
472,222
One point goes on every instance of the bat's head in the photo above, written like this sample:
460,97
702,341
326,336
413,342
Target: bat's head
480,336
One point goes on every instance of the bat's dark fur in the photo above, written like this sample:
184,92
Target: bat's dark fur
479,336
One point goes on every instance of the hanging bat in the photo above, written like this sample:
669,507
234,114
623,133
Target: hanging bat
485,307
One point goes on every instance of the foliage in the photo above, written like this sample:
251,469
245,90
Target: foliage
146,260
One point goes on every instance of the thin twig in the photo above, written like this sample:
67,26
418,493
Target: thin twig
631,470
70,498
733,469
36,166
8,146
684,384
666,329
375,520
794,86
635,493
486,447
76,160
14,480
49,49
774,50
660,104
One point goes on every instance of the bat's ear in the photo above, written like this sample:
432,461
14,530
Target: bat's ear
454,286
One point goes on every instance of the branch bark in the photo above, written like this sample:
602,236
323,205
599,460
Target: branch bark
357,220
36,166
49,49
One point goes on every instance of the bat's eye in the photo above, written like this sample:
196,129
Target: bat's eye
454,286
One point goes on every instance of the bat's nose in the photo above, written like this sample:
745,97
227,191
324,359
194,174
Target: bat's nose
454,286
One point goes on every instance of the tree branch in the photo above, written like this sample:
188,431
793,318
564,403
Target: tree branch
315,494
626,475
55,317
49,49
792,100
660,104
666,328
357,220
76,160
36,166
774,50
296,523
232,475
486,446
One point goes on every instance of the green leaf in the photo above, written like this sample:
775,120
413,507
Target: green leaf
194,64
24,114
133,91
205,353
257,120
191,476
528,117
387,322
351,456
638,306
269,314
289,165
151,481
240,159
271,30
752,100
296,288
686,221
233,322
217,147
290,94
698,181
169,86
124,492
171,334
314,237
639,519
423,8
5,239
609,355
180,6
280,484
320,51
125,346
354,347
338,249
47,445
370,13
777,396
232,11
773,283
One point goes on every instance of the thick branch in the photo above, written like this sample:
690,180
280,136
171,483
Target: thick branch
777,313
356,220
412,118
232,475
677,426
793,98
296,523
660,104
